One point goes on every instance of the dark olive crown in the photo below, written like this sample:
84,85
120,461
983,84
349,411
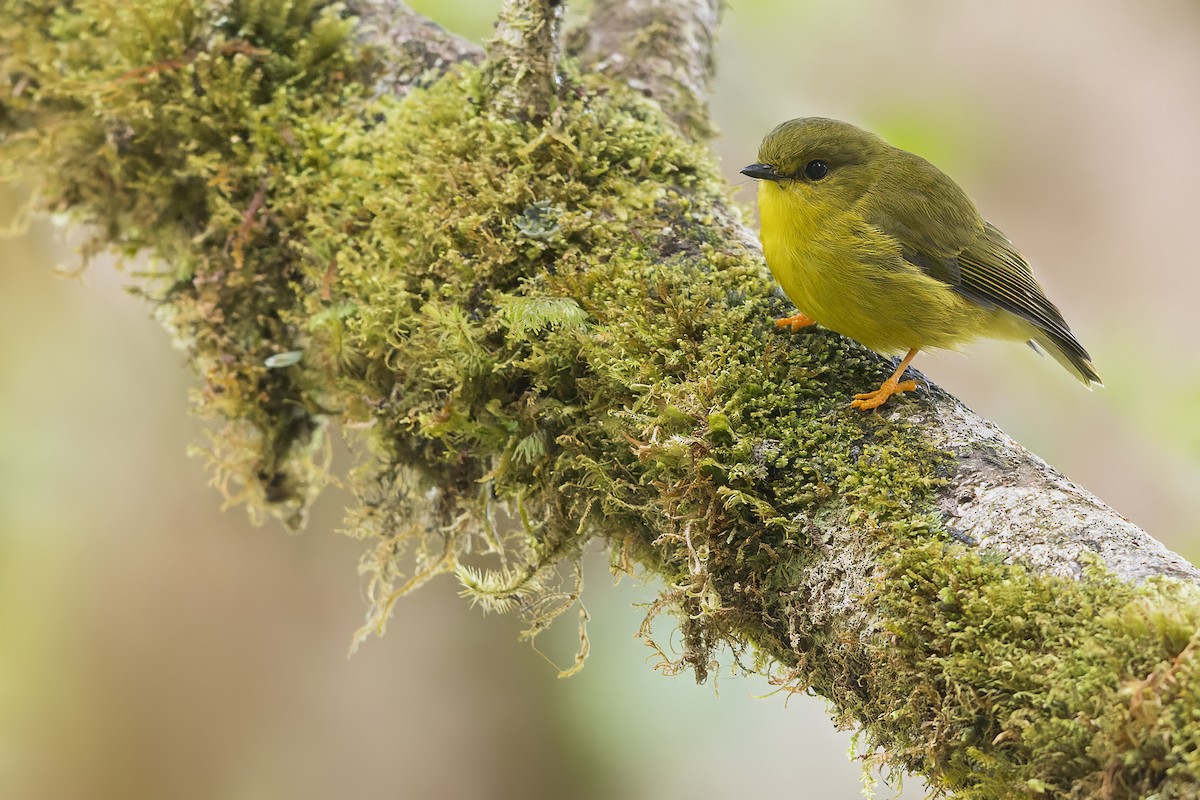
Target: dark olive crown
794,146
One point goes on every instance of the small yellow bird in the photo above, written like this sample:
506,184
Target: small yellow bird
880,245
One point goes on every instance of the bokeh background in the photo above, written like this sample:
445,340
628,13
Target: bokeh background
152,645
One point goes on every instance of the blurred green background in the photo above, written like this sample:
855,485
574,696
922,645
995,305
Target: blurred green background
153,646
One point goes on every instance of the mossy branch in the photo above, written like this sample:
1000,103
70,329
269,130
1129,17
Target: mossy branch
543,329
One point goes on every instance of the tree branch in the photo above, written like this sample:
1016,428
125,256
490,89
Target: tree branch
1010,502
664,48
411,45
557,317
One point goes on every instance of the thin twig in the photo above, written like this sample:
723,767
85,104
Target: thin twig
523,58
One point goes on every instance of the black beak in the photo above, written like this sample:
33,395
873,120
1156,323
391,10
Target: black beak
762,171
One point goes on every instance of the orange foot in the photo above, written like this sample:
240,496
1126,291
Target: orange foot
795,322
868,400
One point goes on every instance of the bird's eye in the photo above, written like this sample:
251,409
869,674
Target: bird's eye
816,169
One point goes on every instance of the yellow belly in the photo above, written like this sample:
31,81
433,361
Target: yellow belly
850,278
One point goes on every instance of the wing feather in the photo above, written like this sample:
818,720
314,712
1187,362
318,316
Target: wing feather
940,232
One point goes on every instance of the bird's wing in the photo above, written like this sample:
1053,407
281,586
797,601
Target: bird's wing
939,231
993,271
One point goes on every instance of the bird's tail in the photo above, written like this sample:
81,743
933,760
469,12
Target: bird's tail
1067,351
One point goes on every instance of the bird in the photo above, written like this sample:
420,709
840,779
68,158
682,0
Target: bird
879,245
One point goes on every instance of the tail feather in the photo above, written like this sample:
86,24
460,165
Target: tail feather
1067,350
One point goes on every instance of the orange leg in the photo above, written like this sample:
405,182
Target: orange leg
795,322
869,400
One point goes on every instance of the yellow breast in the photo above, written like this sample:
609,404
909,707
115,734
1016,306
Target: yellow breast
850,277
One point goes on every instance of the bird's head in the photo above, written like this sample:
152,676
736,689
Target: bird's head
819,161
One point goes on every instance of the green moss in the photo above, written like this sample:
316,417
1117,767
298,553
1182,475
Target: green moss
540,334
1037,686
170,127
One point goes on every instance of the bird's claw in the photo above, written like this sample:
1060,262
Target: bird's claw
868,400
